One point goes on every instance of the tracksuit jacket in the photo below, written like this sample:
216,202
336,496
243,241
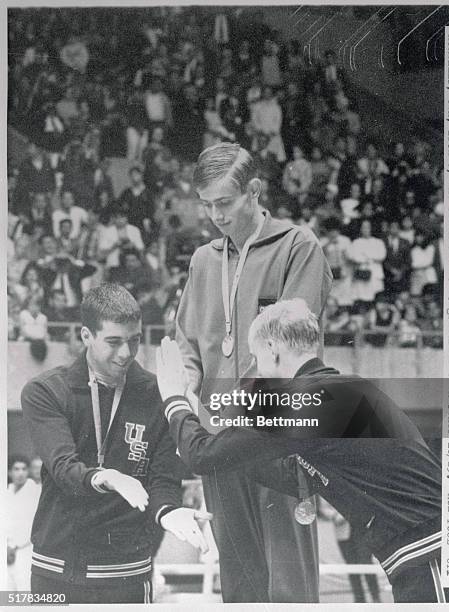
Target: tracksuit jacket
265,556
366,458
81,534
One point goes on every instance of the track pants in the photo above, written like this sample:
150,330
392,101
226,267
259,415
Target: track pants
265,555
419,584
140,592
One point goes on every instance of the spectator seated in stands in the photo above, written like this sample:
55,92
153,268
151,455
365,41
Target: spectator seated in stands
370,167
408,328
79,168
137,203
297,176
367,254
136,125
397,263
234,114
65,242
39,215
381,320
330,75
131,272
62,271
35,176
32,321
266,119
116,237
156,145
336,247
339,329
69,210
432,322
30,285
422,260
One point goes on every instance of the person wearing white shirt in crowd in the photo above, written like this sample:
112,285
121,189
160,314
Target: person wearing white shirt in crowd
35,471
267,119
117,236
32,321
367,253
423,270
69,210
158,105
21,502
370,167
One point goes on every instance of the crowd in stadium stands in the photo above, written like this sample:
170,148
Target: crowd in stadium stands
158,85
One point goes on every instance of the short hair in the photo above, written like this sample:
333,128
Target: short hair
289,322
108,302
66,220
18,458
221,160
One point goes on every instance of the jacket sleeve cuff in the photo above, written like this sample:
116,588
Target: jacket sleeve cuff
163,510
175,403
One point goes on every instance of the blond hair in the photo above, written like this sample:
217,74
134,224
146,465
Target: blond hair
224,159
288,322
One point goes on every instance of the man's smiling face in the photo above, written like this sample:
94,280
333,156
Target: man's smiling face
112,349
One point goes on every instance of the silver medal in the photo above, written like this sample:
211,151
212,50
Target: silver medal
305,512
227,346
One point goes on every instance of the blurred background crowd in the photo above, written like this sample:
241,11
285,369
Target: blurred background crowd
154,87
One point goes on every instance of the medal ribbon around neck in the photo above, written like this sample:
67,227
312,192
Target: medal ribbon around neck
93,384
229,300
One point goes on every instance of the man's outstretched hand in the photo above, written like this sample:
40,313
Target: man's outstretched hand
182,523
128,487
172,377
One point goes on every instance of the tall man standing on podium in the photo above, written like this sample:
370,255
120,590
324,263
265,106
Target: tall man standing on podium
265,556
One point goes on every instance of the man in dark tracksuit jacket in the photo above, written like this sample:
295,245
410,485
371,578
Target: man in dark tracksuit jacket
93,529
379,473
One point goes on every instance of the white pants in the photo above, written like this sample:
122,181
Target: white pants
19,573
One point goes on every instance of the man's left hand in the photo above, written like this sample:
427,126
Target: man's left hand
172,377
182,523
